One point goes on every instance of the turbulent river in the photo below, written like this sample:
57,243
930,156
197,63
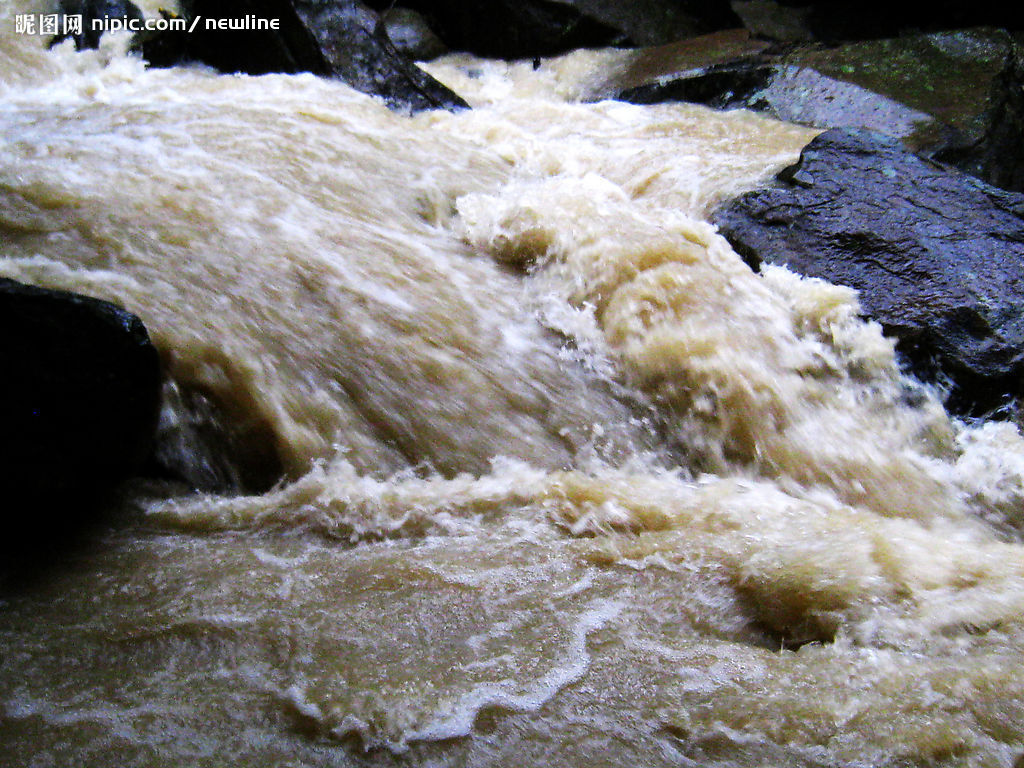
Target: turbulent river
563,482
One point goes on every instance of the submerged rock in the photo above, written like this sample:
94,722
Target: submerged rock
938,257
199,444
957,96
338,38
79,398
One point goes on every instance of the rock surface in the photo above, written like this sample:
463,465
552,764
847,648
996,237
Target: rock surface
79,398
834,20
291,48
956,96
339,38
664,64
524,29
658,22
411,35
802,95
770,20
513,29
938,257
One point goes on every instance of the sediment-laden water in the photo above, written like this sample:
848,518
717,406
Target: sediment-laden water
564,482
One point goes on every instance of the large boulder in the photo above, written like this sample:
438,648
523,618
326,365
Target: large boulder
336,38
937,256
650,68
956,96
355,43
79,397
799,94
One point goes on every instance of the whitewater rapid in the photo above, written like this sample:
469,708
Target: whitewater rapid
562,481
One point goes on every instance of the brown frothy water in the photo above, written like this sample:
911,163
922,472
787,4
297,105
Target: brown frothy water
565,482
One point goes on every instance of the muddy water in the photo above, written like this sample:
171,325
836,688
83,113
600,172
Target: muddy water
563,482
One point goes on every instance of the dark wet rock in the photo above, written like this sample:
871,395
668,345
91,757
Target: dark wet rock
994,150
956,96
513,29
355,43
970,82
938,256
837,20
650,68
163,49
91,10
866,19
525,29
79,397
775,21
802,95
411,35
291,48
338,38
659,22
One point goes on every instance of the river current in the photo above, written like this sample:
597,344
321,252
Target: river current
563,482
